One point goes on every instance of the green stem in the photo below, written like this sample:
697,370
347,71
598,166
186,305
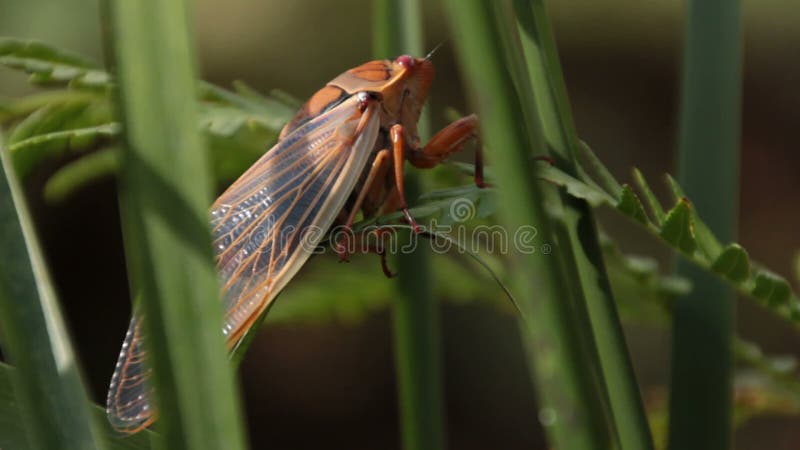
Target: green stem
165,188
563,365
398,30
546,78
709,154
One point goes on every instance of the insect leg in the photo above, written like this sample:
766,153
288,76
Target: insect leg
379,167
398,149
447,141
379,249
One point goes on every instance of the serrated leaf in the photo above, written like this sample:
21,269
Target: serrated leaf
29,152
81,172
57,117
771,288
733,263
678,227
265,106
48,65
674,187
706,240
225,121
630,204
606,180
22,107
652,202
575,187
39,51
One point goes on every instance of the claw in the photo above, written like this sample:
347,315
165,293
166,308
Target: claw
385,265
414,225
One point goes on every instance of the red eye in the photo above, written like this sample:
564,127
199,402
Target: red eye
405,61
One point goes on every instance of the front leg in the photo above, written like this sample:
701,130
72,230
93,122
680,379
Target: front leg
447,141
397,136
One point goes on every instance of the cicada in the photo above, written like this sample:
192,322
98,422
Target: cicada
343,152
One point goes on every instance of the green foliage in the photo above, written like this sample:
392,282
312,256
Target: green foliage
165,190
678,228
47,65
708,168
415,313
245,122
656,209
683,230
630,205
772,288
593,296
733,263
47,382
73,118
29,152
12,422
72,176
555,325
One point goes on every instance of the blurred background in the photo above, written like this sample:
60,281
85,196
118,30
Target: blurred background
326,378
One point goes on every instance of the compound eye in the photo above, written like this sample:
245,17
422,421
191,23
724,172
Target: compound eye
405,61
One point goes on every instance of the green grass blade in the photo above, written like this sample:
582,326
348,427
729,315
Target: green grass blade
558,127
12,427
165,192
687,234
709,149
417,341
47,379
564,380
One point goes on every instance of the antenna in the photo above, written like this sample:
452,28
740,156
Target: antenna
430,54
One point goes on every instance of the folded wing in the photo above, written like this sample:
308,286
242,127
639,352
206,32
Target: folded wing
264,228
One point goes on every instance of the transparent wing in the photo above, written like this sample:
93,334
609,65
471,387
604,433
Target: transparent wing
264,226
127,405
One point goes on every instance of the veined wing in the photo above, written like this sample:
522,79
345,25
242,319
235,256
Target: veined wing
265,226
127,405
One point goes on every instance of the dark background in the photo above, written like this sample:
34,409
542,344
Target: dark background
330,382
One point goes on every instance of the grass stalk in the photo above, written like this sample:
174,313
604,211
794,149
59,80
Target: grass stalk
708,170
165,192
563,365
417,341
46,379
12,423
547,81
